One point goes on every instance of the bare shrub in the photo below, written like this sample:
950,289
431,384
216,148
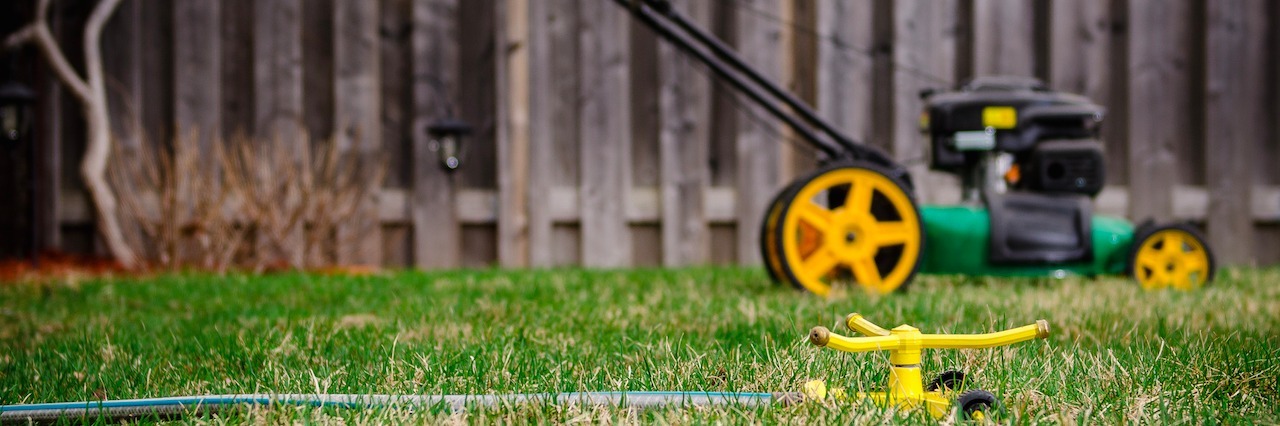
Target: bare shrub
177,205
297,198
249,204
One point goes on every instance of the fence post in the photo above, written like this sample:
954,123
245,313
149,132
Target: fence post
924,55
759,146
357,121
1158,107
542,108
1235,59
197,70
1080,60
434,54
684,103
605,129
277,89
1003,38
846,66
519,40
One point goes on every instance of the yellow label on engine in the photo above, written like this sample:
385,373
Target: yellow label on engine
1000,117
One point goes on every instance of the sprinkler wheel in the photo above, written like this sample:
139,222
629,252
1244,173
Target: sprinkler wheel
950,380
978,405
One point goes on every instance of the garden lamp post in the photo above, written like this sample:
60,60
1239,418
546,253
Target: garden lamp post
15,111
16,100
449,141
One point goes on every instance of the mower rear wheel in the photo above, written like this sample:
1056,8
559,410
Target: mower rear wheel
1170,256
768,238
850,222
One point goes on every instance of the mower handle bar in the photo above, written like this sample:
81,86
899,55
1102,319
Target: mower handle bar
880,339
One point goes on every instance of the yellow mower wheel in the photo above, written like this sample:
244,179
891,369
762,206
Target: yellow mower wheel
768,237
849,223
1170,256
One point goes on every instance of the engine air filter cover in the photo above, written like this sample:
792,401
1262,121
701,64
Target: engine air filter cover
1066,166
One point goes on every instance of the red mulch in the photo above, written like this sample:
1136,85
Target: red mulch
55,265
59,266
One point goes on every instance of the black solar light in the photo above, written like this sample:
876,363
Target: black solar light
449,141
15,111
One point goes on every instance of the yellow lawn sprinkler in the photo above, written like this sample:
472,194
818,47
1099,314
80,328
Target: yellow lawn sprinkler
906,389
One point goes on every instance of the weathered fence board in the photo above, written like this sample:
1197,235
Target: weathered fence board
799,55
522,33
846,70
605,133
476,79
197,57
236,41
319,39
437,239
1272,139
123,74
1235,58
277,71
356,120
881,103
566,174
78,236
396,72
758,143
645,91
537,78
1158,107
1003,38
278,111
50,174
1080,52
685,122
155,42
1267,154
725,107
924,54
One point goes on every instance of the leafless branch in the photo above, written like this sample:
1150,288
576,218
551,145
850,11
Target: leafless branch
92,94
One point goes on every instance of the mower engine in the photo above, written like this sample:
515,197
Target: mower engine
1029,155
999,132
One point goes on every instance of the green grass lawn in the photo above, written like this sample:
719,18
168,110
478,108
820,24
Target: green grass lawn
1116,353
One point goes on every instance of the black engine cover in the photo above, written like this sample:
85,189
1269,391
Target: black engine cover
1065,167
1032,114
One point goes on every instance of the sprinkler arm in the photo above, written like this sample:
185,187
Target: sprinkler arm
906,342
857,323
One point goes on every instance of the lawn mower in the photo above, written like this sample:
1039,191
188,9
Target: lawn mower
1029,160
906,389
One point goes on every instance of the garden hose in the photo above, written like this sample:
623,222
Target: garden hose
172,407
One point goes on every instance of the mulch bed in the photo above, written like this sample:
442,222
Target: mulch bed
57,265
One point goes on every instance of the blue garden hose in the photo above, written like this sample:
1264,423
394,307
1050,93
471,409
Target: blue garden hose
126,409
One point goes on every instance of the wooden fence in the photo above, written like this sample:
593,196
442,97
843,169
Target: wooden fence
598,145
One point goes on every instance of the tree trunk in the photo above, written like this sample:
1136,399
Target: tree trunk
93,97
